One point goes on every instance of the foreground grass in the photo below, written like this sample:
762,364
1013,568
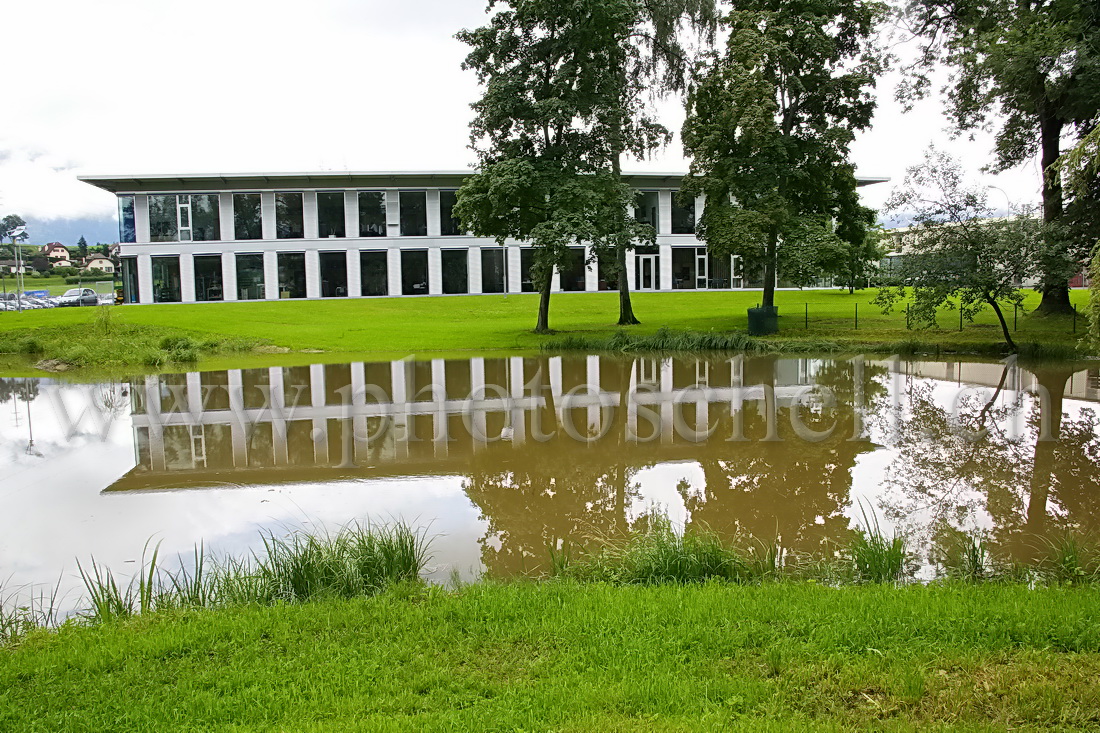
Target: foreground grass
402,326
572,657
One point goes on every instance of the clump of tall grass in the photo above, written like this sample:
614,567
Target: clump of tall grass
1069,560
965,556
355,561
876,557
38,610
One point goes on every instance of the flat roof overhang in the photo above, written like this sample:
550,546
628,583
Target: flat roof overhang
335,179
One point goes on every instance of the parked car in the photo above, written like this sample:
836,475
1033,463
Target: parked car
78,296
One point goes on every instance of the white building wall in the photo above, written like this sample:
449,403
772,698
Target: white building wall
435,271
225,217
393,269
145,275
229,275
432,197
514,285
271,275
187,277
309,214
267,212
355,285
665,275
473,269
351,214
591,271
141,218
313,273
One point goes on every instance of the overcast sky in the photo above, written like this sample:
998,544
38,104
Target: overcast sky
133,86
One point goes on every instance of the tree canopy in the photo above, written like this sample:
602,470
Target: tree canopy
769,123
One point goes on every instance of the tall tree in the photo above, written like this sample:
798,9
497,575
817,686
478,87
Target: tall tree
543,131
1033,66
957,248
82,246
769,124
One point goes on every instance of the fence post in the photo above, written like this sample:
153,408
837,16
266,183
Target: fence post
960,317
807,315
908,323
1074,319
857,316
1015,320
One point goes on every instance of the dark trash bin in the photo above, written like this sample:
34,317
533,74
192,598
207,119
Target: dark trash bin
763,320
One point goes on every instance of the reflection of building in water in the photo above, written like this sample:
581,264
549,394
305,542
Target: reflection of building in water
1081,385
283,424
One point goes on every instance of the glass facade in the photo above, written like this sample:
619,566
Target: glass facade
130,291
205,218
292,274
526,264
571,277
607,277
330,214
648,208
334,274
163,218
184,218
492,270
374,273
250,277
414,272
449,226
127,227
685,268
372,213
414,213
247,216
455,271
289,217
683,215
208,277
166,279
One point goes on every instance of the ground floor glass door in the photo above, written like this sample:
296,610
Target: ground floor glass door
646,272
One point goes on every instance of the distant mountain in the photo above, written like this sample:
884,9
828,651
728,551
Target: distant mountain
68,231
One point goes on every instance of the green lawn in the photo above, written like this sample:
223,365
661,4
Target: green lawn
559,656
56,285
401,326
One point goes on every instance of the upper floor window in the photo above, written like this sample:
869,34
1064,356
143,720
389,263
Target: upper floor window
648,207
247,216
127,229
372,213
414,213
289,220
683,215
449,226
184,218
330,214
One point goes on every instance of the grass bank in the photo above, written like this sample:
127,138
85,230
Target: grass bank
579,657
401,326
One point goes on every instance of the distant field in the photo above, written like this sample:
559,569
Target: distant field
495,322
56,285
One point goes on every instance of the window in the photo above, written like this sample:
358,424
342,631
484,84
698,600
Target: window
683,215
208,277
492,270
455,278
250,277
334,274
127,229
607,272
130,280
449,226
292,274
247,216
166,279
372,213
373,273
414,213
184,218
414,272
684,268
648,208
288,216
571,276
330,214
526,264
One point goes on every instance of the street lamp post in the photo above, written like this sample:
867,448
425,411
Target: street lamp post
15,235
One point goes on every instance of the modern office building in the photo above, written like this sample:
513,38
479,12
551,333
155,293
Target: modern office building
198,238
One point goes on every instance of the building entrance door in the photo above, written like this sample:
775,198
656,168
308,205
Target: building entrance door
647,272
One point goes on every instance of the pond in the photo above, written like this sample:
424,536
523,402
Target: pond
501,459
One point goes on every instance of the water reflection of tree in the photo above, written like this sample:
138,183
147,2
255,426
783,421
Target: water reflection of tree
25,390
792,489
1032,470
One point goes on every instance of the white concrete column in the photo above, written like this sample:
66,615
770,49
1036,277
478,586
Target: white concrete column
665,266
187,277
592,380
664,215
317,385
271,275
400,427
393,214
229,276
313,273
435,268
355,273
156,423
236,409
591,271
555,281
309,214
351,215
277,400
267,214
141,218
700,204
393,269
225,217
514,273
667,432
477,425
519,426
432,196
194,395
630,270
145,277
473,269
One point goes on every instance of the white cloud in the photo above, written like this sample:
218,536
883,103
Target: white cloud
130,86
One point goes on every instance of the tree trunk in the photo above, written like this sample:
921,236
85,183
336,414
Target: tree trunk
1004,325
1052,383
626,310
543,324
768,299
1055,295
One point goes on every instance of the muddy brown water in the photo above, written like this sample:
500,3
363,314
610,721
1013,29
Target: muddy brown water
503,458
